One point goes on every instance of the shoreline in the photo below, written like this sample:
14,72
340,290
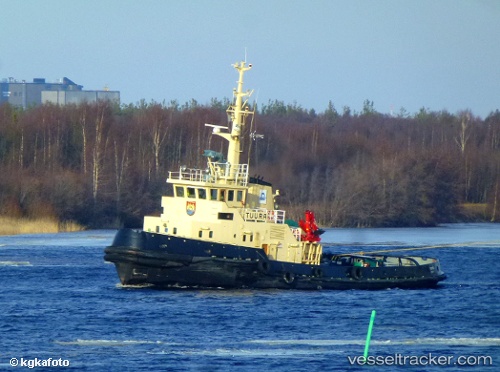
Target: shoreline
47,225
43,225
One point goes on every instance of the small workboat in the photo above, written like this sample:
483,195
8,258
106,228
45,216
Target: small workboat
221,229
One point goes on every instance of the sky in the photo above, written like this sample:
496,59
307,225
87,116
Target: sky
398,54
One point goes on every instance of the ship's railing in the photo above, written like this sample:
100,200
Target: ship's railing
263,215
382,260
236,174
188,174
406,261
311,253
231,173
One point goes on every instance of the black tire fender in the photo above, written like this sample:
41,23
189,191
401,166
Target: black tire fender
264,266
317,272
356,273
288,277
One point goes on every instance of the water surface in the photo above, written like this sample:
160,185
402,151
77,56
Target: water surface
59,299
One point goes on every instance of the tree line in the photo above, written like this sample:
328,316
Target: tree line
105,165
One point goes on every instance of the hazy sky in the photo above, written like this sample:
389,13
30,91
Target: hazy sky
437,54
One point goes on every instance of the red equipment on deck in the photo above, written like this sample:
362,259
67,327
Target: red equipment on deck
310,228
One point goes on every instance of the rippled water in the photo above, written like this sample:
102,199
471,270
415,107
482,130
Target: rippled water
59,299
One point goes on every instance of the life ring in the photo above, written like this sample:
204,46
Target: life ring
356,273
289,277
264,267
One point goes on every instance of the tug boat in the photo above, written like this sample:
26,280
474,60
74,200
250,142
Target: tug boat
221,229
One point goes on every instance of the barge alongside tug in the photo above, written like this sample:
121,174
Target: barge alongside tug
221,229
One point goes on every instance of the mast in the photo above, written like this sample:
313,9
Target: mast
237,114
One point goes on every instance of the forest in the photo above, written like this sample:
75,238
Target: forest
105,165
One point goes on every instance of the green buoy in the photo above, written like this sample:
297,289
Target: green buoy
369,335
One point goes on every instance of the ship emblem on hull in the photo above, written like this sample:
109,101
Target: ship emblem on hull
190,208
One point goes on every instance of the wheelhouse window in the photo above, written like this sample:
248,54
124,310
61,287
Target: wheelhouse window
213,194
191,192
230,195
202,193
179,191
239,195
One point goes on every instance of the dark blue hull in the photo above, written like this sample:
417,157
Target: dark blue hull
168,261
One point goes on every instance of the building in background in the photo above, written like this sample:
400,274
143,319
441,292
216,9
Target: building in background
23,94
